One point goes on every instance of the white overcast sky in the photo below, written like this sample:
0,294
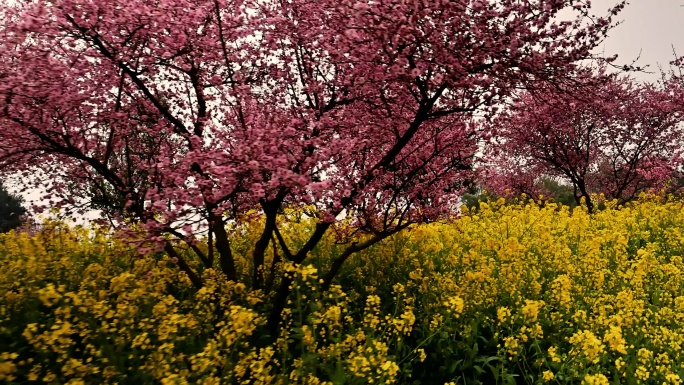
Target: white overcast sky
649,27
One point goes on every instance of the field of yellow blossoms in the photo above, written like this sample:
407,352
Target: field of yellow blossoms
508,294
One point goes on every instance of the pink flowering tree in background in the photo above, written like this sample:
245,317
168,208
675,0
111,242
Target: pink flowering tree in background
180,115
608,134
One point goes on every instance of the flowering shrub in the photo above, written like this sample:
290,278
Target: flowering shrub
507,294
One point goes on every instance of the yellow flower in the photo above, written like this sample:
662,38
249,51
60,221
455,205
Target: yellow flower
644,355
595,379
502,314
7,370
174,379
673,378
454,305
49,377
421,355
49,295
553,354
642,373
531,310
615,340
512,345
588,345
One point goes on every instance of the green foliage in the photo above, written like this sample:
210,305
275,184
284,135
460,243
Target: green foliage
552,190
559,193
11,210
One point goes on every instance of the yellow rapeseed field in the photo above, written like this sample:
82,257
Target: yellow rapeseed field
512,293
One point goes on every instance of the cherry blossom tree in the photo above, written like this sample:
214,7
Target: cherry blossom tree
183,114
608,135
